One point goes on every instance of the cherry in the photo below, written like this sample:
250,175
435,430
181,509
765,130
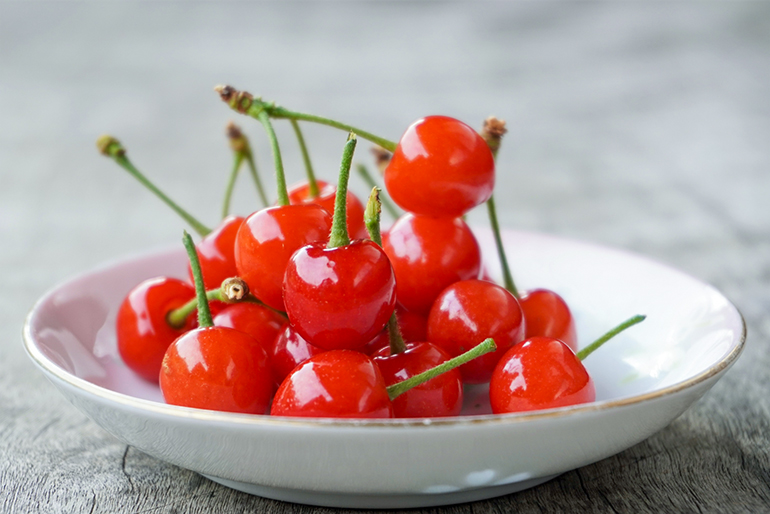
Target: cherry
216,368
338,384
438,397
289,351
429,254
301,193
440,168
256,320
544,373
339,296
546,314
143,332
216,252
468,311
413,327
539,373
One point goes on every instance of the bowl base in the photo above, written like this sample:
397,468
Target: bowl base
380,501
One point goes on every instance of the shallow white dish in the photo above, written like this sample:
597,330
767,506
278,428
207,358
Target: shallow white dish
644,379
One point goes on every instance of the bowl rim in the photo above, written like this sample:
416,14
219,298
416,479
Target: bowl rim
188,413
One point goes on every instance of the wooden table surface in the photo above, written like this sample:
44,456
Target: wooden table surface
643,126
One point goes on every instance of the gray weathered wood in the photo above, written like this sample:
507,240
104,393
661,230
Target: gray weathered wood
643,126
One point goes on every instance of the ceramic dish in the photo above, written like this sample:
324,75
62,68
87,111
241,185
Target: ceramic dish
644,379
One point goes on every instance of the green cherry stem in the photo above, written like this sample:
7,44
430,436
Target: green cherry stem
280,177
339,233
204,313
245,103
492,133
233,290
588,350
111,147
241,147
257,181
401,387
372,222
311,181
389,206
237,161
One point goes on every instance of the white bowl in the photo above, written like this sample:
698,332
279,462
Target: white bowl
644,378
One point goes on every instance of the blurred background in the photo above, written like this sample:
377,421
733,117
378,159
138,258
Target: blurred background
640,125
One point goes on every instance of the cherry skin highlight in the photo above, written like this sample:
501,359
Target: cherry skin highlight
335,384
143,333
470,311
267,240
289,351
217,368
441,168
427,255
300,194
339,298
216,253
546,314
253,319
439,397
539,373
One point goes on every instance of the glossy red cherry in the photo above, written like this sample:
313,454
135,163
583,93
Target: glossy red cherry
539,373
253,319
335,384
546,314
267,240
438,397
217,368
339,298
300,194
441,168
216,252
289,351
413,327
429,254
467,312
143,333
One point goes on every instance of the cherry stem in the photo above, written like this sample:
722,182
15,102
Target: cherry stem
507,276
311,181
237,161
372,222
389,206
245,103
339,233
588,350
204,313
280,177
111,147
401,387
372,216
257,181
176,318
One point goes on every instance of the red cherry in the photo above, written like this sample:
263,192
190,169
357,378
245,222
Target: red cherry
427,255
469,311
539,373
413,326
441,167
143,333
289,351
253,319
335,384
217,368
546,314
300,194
438,397
268,238
216,253
339,298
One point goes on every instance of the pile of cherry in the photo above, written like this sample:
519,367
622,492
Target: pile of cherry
305,309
